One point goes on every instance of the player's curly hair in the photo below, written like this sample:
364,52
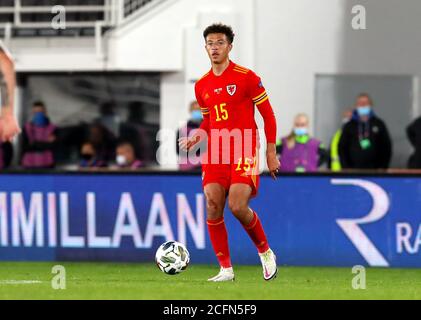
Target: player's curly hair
220,28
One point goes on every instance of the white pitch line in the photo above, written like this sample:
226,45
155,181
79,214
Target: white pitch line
17,282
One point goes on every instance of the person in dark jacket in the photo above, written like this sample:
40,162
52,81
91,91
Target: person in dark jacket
365,141
39,136
89,157
6,154
139,132
414,136
104,141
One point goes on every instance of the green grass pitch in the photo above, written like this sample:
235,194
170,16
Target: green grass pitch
144,281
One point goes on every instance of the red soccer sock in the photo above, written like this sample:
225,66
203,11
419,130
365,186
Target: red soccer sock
257,234
219,238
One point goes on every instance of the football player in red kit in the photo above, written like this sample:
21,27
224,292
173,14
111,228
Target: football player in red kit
228,95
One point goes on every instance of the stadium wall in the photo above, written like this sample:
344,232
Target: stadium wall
314,220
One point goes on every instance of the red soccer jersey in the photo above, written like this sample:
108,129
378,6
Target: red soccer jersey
228,102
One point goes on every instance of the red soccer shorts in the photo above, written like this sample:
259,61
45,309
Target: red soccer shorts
245,171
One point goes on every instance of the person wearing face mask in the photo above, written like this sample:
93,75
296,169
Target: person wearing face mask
365,141
89,157
39,136
299,152
193,124
126,157
335,163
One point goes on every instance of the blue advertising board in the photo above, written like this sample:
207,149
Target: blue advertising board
309,220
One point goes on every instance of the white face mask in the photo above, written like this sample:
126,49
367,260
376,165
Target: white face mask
121,160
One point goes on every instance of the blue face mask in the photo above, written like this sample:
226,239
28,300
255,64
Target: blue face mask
300,131
196,115
39,119
364,111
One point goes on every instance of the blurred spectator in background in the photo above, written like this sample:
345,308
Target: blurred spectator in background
39,136
103,140
89,157
414,135
365,141
109,118
126,156
185,162
6,154
136,131
299,152
335,164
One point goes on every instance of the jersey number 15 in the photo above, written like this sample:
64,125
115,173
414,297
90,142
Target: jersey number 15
221,112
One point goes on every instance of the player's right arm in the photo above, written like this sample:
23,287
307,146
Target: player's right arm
186,143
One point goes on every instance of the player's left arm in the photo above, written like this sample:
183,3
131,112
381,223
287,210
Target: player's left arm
261,101
8,123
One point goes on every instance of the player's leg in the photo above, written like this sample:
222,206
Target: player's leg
215,203
238,201
244,184
215,185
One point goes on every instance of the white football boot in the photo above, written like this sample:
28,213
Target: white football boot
225,274
270,269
